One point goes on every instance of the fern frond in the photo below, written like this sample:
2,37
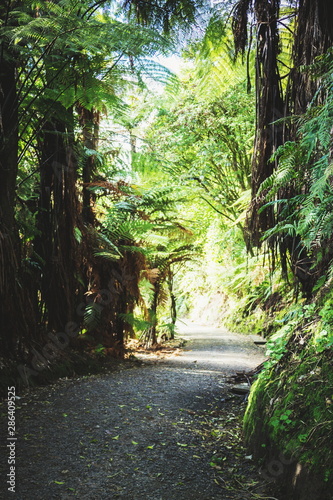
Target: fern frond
281,228
140,325
107,255
92,316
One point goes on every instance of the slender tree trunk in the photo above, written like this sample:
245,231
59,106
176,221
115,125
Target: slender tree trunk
89,121
153,313
173,306
120,323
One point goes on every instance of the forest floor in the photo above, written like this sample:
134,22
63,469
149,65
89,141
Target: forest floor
157,428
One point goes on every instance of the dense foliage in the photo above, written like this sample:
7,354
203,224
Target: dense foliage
72,228
124,203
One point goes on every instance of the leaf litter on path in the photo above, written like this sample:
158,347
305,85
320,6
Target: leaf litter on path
164,431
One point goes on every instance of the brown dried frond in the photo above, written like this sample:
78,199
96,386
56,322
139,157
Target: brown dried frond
131,265
115,188
151,275
240,24
163,297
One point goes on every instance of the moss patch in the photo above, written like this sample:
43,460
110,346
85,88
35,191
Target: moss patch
290,407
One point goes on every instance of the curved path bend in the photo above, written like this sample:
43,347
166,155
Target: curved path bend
143,432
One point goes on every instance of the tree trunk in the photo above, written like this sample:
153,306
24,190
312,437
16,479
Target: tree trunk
17,321
313,36
173,306
89,122
57,220
270,107
153,313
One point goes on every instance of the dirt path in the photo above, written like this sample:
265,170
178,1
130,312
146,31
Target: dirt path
163,430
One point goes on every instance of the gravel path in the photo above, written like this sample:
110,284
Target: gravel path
164,429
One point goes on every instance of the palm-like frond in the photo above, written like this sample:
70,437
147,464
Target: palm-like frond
163,14
216,67
92,316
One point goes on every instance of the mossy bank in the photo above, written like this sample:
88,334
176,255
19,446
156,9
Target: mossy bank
289,419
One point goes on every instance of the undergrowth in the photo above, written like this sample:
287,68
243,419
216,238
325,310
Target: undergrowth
68,365
290,407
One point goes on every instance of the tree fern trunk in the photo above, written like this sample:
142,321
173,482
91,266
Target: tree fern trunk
270,107
313,36
17,321
173,306
89,122
57,219
153,313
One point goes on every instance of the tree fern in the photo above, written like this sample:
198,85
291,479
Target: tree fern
305,171
216,68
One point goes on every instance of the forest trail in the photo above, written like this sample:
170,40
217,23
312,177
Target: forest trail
166,429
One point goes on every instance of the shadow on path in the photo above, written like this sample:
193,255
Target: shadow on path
140,433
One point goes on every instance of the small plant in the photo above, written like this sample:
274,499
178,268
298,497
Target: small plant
100,350
323,340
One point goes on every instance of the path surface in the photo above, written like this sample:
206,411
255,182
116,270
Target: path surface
138,433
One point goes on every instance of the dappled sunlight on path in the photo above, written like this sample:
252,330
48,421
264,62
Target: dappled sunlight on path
217,349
